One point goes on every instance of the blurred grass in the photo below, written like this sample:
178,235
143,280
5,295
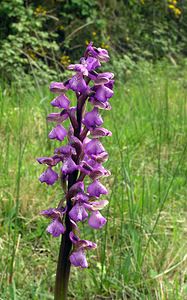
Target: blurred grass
141,252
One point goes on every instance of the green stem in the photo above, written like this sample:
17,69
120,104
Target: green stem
63,266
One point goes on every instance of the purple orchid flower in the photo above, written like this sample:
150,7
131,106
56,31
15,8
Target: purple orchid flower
49,176
56,227
81,158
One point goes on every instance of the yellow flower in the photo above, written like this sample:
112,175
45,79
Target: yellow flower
142,1
177,11
40,10
94,33
86,42
65,60
103,45
171,6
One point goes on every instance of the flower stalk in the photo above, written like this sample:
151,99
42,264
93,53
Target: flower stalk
81,158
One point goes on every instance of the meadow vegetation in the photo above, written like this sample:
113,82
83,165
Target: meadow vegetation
141,252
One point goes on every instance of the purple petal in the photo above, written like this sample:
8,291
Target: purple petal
59,133
50,161
96,205
100,132
99,172
92,119
94,147
78,259
81,197
92,63
77,83
61,102
81,244
78,213
69,166
75,239
100,158
102,93
99,53
103,78
110,84
57,87
79,68
55,228
96,220
96,189
49,176
57,117
66,150
78,187
53,213
103,105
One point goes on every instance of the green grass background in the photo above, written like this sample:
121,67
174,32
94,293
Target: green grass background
141,251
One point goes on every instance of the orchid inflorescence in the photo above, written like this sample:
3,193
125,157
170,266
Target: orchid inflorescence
82,156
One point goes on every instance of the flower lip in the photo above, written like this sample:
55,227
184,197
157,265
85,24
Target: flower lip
55,228
96,189
69,166
78,212
96,220
49,176
92,119
58,133
61,102
78,259
77,83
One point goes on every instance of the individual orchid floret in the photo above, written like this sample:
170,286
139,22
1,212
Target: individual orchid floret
102,105
78,257
56,227
96,220
96,189
91,63
69,166
101,78
61,102
102,93
66,151
99,53
92,119
81,68
57,87
49,176
100,132
78,212
77,83
50,161
58,133
96,205
57,117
